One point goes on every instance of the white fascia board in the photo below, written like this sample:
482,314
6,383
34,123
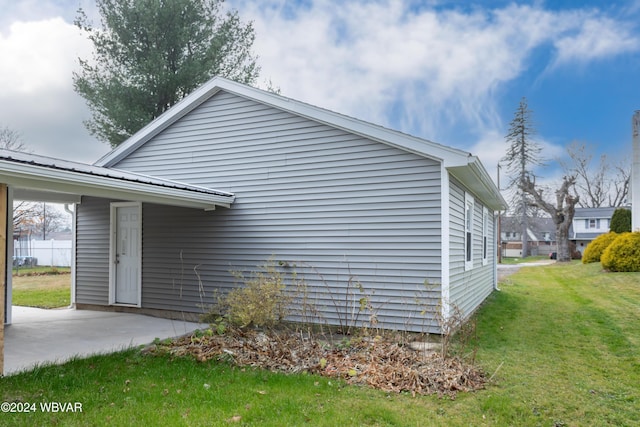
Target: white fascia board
475,177
33,195
451,156
61,181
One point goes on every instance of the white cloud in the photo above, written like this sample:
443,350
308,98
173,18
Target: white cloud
427,72
37,97
596,38
40,55
433,72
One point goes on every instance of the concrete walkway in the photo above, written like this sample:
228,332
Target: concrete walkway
39,336
505,270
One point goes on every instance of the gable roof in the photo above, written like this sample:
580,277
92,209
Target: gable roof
463,165
595,213
47,178
537,227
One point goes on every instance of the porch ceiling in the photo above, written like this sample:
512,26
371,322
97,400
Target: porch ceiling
50,179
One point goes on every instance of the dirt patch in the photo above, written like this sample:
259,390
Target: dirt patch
506,271
380,363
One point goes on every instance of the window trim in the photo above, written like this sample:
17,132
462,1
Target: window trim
485,235
469,208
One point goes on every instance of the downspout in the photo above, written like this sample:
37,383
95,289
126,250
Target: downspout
73,252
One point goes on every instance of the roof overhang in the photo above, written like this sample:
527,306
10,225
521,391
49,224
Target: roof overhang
474,176
57,180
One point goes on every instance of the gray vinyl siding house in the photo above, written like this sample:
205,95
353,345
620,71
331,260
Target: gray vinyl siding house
342,200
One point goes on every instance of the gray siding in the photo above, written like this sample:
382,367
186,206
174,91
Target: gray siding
305,193
469,288
92,251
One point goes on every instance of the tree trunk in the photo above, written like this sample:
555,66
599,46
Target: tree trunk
525,231
562,213
562,239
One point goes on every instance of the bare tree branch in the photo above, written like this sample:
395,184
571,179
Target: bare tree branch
562,213
620,192
596,184
11,140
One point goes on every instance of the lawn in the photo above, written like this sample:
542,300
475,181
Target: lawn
41,290
561,342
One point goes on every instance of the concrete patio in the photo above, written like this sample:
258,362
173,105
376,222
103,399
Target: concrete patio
39,336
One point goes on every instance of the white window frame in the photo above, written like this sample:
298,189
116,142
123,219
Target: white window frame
485,235
469,207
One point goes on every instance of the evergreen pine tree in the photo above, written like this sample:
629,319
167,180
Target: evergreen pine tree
621,220
522,155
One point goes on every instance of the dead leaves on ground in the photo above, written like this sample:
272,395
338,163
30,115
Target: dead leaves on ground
381,364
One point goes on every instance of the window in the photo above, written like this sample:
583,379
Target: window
592,223
468,231
485,235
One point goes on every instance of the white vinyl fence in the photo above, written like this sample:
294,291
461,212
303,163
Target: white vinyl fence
55,253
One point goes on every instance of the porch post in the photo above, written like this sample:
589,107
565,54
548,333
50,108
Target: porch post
3,267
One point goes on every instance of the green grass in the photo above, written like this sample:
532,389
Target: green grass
44,291
567,339
562,342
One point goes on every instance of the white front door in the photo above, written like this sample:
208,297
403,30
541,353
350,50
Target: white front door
126,247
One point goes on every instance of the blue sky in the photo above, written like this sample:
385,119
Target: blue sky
449,71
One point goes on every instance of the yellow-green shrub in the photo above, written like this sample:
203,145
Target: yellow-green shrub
623,254
262,301
594,250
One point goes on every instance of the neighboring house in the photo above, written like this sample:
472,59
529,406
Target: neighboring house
541,234
259,176
589,223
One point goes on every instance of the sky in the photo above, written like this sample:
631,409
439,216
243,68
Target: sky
449,71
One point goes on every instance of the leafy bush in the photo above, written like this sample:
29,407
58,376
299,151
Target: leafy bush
621,220
594,250
623,254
